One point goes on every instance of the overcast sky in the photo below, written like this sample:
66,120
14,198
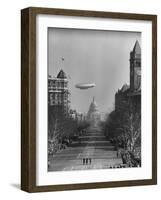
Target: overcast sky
91,56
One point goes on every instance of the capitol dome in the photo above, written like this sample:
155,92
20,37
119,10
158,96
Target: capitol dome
93,115
93,106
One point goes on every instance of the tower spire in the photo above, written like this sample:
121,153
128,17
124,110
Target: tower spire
137,49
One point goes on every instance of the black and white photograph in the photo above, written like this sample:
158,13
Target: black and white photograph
94,99
89,99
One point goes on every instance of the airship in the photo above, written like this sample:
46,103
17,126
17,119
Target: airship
84,86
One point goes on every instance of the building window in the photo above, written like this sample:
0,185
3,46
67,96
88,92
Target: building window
62,85
56,84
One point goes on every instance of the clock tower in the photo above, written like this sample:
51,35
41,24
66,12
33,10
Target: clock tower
135,67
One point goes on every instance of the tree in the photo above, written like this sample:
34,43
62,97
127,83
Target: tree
123,127
130,126
82,125
60,128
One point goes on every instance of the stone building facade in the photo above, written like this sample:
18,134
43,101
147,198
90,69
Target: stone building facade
131,93
58,93
135,68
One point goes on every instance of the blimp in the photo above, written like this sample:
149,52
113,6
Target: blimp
84,86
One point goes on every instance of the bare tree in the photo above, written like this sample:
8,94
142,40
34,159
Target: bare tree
123,127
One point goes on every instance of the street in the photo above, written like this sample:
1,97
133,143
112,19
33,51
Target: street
92,151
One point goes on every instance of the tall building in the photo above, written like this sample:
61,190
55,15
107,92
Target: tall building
132,93
135,78
135,68
58,93
93,115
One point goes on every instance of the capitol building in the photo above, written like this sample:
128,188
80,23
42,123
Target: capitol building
93,115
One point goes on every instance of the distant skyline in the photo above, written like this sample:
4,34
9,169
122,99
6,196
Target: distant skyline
91,56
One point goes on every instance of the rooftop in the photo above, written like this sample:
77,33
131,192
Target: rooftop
125,87
137,48
61,74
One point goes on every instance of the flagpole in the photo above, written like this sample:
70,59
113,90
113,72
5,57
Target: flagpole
62,59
